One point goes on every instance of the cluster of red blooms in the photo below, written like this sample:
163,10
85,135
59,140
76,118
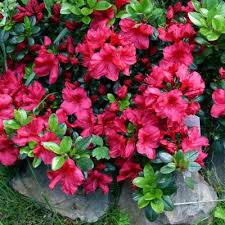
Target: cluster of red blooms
163,97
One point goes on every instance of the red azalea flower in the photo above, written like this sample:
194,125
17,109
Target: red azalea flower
148,141
10,83
69,176
75,99
97,180
6,107
110,61
55,18
192,84
179,52
40,152
121,3
194,141
171,105
46,64
8,152
29,133
222,72
85,121
176,32
29,97
129,171
101,18
218,108
33,8
138,34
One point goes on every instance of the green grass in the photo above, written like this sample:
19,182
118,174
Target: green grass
16,209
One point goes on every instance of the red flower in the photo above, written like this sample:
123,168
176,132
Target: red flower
192,84
176,32
110,61
218,109
41,152
6,107
101,18
46,64
9,83
85,120
179,52
29,98
30,132
194,141
222,72
171,105
97,180
138,34
33,8
69,176
121,3
75,99
129,171
8,152
148,141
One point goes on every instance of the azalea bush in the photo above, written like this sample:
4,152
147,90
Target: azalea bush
100,92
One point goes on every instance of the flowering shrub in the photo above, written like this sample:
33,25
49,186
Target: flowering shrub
100,91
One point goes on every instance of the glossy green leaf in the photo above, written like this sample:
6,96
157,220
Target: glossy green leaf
85,164
168,204
191,155
101,153
193,167
66,144
53,122
102,5
150,214
157,205
58,162
52,146
142,202
169,168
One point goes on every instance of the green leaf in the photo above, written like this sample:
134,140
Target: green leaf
58,162
218,23
157,205
20,116
211,3
24,1
219,213
91,3
101,153
168,204
12,124
86,19
189,182
75,10
48,5
83,143
36,162
148,171
65,8
139,182
169,168
196,5
86,11
61,130
19,28
85,164
165,157
111,97
191,155
193,167
53,122
97,140
102,5
52,147
196,18
142,202
66,144
153,194
150,214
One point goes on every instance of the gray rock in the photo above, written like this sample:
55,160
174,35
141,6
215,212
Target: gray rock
87,208
182,214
